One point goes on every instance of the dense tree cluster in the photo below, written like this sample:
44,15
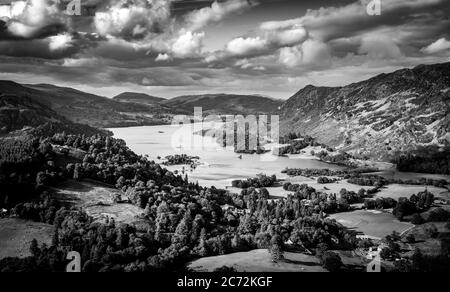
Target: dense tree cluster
25,163
437,260
312,172
297,143
380,203
341,158
379,181
326,180
429,159
424,263
180,159
260,181
331,261
181,221
308,172
415,204
323,202
435,215
367,180
44,209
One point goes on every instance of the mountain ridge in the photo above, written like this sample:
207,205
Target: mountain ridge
378,117
81,107
26,115
226,103
138,97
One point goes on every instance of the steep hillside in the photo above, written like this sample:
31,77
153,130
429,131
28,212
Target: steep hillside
225,104
138,98
377,117
81,107
22,113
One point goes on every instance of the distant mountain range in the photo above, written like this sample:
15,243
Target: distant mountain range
226,104
86,108
133,109
377,117
210,103
138,98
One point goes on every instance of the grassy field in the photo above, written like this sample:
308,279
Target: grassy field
372,223
396,191
258,261
16,236
97,200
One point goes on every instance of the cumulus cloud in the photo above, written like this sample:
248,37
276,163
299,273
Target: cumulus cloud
133,19
162,57
139,42
60,42
438,46
188,44
244,46
291,56
265,41
32,18
282,24
216,12
310,52
332,22
289,37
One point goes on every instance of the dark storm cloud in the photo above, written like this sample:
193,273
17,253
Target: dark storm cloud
51,47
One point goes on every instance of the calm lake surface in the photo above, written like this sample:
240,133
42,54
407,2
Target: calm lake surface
219,166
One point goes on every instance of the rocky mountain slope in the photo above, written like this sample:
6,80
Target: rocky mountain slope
225,104
378,117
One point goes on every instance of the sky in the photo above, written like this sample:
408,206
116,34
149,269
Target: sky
169,48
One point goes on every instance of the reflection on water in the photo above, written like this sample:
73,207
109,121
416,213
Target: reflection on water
218,165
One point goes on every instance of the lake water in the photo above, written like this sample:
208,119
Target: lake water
219,166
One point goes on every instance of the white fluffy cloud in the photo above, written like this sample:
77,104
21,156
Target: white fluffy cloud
438,46
310,52
60,42
282,24
163,57
267,40
188,44
243,46
291,56
134,19
288,37
216,12
29,18
12,10
333,22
